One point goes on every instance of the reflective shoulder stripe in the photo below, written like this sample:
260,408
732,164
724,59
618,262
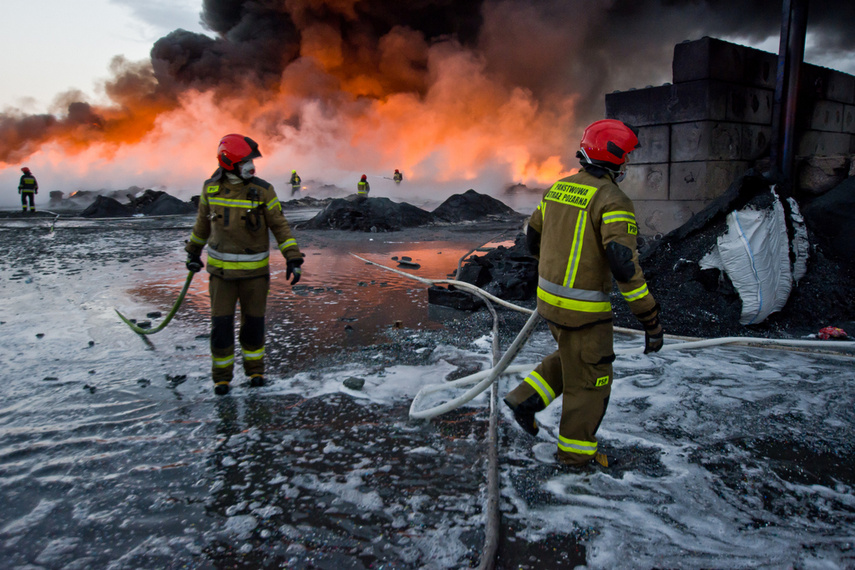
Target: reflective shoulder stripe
576,253
274,203
571,194
214,254
618,216
540,386
286,244
573,304
635,294
571,293
196,239
577,446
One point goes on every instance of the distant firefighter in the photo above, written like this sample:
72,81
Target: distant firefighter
237,211
28,188
295,183
397,177
363,188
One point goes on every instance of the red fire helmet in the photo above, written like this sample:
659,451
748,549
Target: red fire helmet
608,141
25,170
234,149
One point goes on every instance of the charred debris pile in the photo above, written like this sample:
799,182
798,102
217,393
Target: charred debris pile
149,203
755,262
383,215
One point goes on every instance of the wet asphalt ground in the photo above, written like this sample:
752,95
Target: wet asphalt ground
115,454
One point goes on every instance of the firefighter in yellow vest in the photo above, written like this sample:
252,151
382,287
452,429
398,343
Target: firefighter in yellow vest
28,188
295,183
362,187
237,210
583,234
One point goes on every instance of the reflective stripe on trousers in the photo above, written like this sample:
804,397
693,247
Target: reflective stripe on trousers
540,386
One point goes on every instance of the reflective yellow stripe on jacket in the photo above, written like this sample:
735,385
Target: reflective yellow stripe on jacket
621,216
227,203
286,244
237,261
572,299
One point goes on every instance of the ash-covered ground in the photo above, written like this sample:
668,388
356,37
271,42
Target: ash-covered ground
114,452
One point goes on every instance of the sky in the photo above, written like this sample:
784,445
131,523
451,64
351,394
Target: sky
464,94
58,46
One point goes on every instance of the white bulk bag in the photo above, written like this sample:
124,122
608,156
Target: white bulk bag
754,252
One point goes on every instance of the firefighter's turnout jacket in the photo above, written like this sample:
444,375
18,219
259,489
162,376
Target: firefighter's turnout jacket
28,185
578,218
233,221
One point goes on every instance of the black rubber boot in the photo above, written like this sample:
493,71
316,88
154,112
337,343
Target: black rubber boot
256,380
524,413
221,388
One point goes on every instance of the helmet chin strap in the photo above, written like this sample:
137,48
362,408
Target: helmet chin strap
618,175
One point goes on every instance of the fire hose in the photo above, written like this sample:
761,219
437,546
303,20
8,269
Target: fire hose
172,311
485,378
500,366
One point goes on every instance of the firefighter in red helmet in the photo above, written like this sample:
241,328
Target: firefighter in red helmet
584,234
237,211
28,188
362,187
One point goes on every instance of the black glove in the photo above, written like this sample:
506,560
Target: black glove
653,333
194,262
293,267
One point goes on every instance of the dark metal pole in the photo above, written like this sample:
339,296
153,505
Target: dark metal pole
790,57
796,48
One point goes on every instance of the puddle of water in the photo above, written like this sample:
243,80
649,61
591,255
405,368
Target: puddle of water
340,302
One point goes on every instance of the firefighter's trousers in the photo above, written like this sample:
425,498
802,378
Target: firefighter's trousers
580,373
252,296
28,195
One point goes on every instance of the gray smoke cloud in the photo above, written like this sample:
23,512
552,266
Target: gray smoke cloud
550,50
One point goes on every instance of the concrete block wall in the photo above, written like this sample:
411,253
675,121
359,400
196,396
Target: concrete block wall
707,128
